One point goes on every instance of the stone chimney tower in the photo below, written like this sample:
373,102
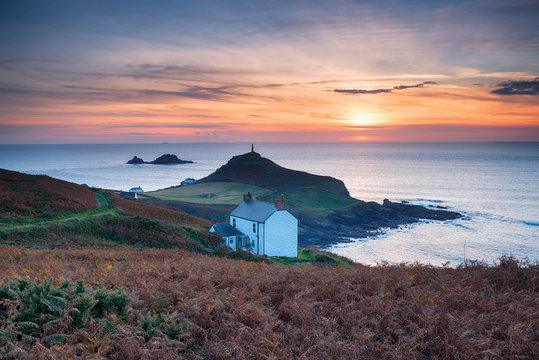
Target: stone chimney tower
280,203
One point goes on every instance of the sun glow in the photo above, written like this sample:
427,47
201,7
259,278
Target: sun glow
364,119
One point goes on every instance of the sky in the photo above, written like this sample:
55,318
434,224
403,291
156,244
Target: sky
268,71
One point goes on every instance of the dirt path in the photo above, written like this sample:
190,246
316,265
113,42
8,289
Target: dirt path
102,201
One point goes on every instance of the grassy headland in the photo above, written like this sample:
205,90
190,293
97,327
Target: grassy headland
215,193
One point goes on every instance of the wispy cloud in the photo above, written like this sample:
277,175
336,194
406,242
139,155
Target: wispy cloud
518,87
382,91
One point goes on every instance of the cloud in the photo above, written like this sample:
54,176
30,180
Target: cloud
360,92
402,87
381,91
518,87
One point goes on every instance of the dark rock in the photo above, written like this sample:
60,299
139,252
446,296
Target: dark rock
364,219
169,159
161,160
136,160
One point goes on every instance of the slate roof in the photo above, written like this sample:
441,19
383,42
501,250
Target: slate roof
226,230
254,210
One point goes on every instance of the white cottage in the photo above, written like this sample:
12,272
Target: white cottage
262,228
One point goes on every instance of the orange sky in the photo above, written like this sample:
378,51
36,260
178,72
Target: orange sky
291,73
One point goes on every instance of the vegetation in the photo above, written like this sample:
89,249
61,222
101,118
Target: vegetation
146,281
309,201
312,201
251,168
26,197
315,256
216,193
192,306
165,214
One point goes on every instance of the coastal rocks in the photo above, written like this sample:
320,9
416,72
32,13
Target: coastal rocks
365,219
135,161
169,159
165,159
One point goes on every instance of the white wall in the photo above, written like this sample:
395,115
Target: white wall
246,227
281,235
227,239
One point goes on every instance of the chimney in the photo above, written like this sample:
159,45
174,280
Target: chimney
280,203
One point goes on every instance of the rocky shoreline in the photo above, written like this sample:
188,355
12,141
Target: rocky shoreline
363,220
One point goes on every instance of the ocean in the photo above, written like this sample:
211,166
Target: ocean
495,185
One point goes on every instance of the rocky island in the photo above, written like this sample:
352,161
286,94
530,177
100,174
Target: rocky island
165,159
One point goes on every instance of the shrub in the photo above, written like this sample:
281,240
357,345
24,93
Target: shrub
324,259
39,309
168,324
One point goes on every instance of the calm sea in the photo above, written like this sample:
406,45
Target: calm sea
496,185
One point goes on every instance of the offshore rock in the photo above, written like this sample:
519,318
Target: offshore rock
161,160
136,160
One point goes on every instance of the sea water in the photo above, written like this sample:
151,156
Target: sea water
495,185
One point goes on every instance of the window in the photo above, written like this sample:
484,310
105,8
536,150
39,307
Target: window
231,241
234,222
254,228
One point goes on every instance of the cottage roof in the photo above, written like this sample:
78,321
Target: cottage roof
254,210
226,230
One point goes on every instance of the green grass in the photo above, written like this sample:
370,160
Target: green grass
320,201
103,199
314,256
317,202
222,193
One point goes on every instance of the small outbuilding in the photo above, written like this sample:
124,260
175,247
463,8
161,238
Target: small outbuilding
129,194
187,181
233,238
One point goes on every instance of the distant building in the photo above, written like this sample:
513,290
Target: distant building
137,189
262,228
129,194
188,181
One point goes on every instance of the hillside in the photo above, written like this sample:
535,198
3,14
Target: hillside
32,208
25,196
148,281
251,168
123,303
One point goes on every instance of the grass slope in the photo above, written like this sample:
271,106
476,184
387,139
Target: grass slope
24,197
213,193
308,201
